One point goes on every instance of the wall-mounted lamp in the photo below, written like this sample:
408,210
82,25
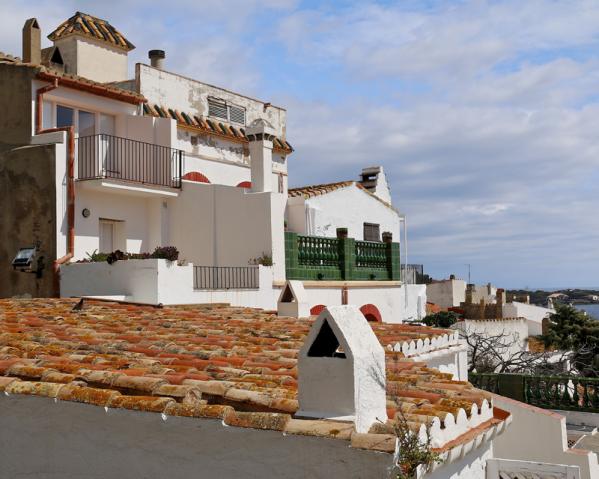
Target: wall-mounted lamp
27,261
85,213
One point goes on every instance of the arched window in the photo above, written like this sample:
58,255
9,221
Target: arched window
196,176
371,313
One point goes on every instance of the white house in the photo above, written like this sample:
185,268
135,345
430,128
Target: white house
319,210
132,164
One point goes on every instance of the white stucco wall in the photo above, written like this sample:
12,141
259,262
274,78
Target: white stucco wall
155,281
534,315
472,465
540,435
452,359
93,59
412,300
191,96
513,332
350,387
386,297
348,207
215,225
134,211
447,293
222,162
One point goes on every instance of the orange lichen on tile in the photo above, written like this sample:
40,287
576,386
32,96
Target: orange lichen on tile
235,364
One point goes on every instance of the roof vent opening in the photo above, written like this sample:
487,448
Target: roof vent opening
326,344
341,370
292,301
157,58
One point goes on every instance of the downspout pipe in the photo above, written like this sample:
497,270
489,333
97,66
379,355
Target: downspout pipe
70,180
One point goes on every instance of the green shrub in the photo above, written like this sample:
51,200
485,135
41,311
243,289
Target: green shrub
442,319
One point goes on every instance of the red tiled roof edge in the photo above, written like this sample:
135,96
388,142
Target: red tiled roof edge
210,126
311,191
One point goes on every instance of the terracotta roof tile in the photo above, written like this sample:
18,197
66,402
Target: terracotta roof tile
209,126
76,82
316,190
236,364
92,27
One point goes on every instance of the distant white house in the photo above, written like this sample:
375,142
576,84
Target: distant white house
363,207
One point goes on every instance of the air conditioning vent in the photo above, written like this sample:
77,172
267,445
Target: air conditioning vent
217,109
221,109
237,114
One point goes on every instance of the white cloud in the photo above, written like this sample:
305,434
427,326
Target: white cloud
484,113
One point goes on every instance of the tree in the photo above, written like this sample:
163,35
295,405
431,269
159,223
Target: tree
505,352
572,330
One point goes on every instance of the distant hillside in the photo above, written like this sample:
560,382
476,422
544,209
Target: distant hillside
539,296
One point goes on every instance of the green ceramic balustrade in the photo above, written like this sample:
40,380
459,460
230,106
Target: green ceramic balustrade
341,258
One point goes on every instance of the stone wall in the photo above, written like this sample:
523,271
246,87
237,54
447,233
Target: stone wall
28,192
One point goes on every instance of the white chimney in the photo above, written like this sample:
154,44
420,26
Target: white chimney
157,58
260,133
341,370
293,300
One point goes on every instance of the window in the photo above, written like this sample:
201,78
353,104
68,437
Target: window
372,232
221,109
87,123
65,116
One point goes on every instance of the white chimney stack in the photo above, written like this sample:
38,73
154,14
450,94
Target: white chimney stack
260,133
341,370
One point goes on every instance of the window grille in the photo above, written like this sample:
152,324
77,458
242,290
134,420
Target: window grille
217,108
237,114
372,232
221,109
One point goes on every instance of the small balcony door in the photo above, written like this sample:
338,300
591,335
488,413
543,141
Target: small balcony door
107,236
108,155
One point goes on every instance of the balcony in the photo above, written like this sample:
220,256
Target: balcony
340,259
111,157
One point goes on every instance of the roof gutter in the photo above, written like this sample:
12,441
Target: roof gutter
94,88
70,130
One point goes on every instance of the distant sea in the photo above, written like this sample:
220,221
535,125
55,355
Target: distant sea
591,309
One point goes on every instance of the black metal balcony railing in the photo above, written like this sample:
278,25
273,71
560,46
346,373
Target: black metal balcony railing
226,277
108,156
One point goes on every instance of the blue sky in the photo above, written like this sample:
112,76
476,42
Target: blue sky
485,114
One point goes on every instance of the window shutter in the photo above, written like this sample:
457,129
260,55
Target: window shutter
372,232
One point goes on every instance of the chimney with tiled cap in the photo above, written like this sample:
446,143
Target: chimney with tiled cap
32,42
260,134
341,370
157,58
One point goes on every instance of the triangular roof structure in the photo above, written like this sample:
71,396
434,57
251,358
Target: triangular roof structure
93,27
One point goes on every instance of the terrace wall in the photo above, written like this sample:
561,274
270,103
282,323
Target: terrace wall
66,439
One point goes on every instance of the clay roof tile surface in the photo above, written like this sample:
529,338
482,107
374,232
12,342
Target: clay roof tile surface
311,191
237,364
209,126
92,27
